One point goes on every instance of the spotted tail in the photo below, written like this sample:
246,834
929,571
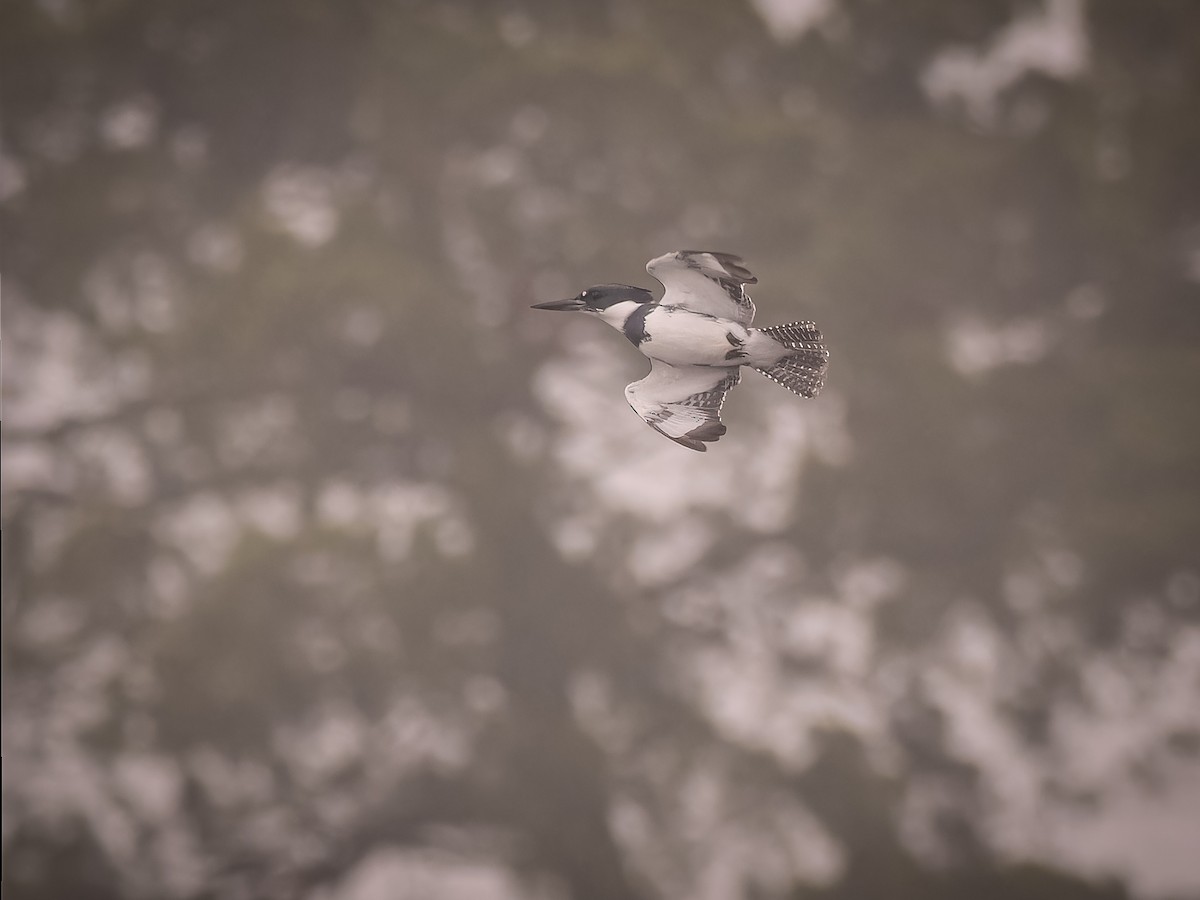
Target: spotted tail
802,367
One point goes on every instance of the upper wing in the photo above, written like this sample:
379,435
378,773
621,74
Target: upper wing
683,402
705,282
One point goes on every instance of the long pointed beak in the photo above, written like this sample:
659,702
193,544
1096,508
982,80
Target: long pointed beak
572,304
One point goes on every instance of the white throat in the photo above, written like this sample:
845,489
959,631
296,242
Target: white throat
616,314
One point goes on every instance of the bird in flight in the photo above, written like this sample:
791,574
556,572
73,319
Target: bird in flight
698,337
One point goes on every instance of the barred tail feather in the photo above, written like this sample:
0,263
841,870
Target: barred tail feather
802,367
796,335
798,377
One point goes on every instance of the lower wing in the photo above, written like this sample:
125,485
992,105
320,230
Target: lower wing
684,402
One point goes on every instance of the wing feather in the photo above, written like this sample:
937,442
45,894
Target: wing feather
684,402
706,281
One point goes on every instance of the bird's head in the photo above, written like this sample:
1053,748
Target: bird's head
603,299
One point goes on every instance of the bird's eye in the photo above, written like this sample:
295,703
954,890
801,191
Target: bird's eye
584,294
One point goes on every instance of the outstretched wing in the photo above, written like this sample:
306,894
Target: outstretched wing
683,402
705,282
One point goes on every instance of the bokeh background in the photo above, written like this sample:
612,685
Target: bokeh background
332,571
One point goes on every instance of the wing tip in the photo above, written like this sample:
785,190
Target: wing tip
733,264
709,431
730,262
699,438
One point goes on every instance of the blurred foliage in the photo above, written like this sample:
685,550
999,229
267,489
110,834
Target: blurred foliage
285,579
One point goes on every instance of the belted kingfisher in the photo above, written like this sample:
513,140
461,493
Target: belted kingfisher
698,337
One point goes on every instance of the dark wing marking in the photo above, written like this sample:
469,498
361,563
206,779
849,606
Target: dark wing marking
705,281
635,325
683,402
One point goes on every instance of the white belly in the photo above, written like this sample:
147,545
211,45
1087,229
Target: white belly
680,337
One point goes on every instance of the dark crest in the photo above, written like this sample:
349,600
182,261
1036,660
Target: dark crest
602,296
